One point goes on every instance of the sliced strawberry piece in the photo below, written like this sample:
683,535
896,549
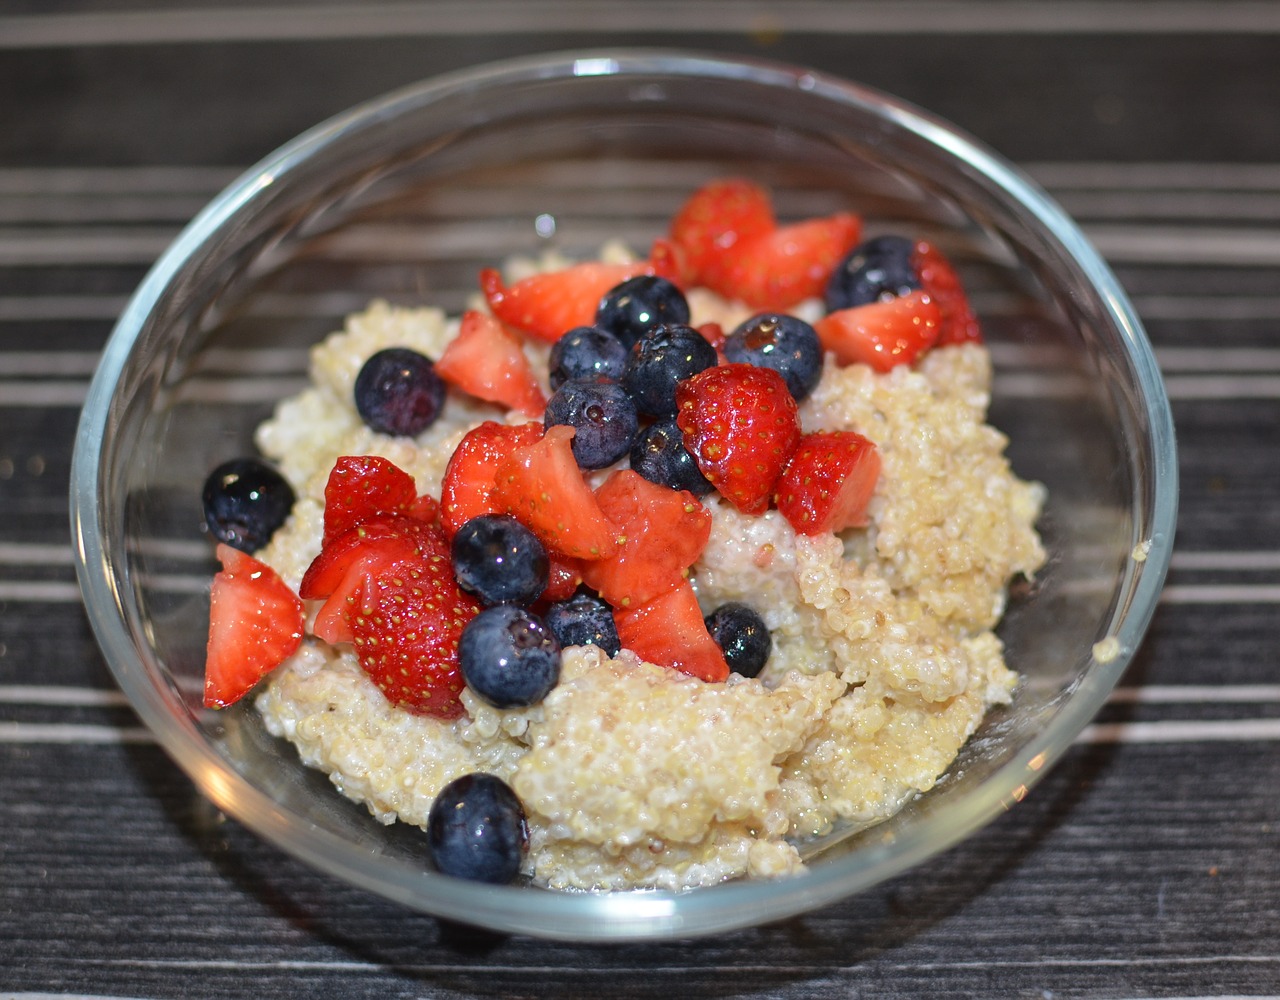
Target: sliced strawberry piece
548,305
393,537
713,334
487,361
882,334
828,482
938,278
663,532
361,487
775,270
740,424
255,623
468,487
670,631
541,485
563,577
717,217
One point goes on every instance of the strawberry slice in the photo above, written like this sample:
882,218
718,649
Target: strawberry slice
828,482
882,334
486,361
716,218
938,278
740,424
468,487
563,577
775,270
361,487
255,623
663,532
395,536
670,631
541,485
547,305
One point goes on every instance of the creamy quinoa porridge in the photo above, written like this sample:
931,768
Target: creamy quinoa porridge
884,660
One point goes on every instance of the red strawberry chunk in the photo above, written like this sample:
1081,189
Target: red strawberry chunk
741,425
542,486
548,305
390,537
670,631
663,532
775,270
828,482
882,334
255,623
938,278
468,489
716,218
563,577
487,361
362,487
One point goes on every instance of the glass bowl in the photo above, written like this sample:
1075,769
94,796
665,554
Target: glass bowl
405,198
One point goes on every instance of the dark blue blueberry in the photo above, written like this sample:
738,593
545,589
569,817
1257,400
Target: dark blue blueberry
587,352
476,830
876,270
508,656
742,636
662,358
584,620
659,455
638,304
500,560
603,416
788,345
398,392
245,501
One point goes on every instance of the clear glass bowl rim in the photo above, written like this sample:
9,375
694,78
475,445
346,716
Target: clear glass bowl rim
631,915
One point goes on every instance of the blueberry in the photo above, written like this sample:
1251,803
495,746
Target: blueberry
788,345
742,636
587,352
584,620
638,304
508,656
659,455
602,415
245,501
878,269
663,357
499,560
476,830
398,392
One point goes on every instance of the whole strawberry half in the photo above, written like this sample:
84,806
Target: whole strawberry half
361,487
740,424
828,482
255,623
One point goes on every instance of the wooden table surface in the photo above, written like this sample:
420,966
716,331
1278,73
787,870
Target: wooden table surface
1145,865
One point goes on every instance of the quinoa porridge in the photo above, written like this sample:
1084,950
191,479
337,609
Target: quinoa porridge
884,660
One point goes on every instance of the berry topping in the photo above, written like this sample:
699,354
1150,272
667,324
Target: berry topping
398,392
563,578
670,631
879,269
486,361
468,489
663,357
743,637
741,425
882,334
509,657
828,482
548,304
542,485
584,620
476,830
717,217
602,415
362,487
658,453
639,304
939,279
587,352
662,532
499,560
245,501
788,345
255,623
